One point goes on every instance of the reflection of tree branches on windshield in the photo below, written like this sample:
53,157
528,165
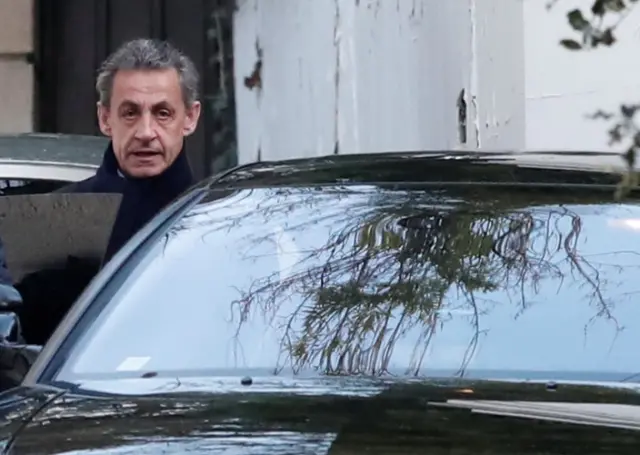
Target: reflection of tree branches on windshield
372,282
394,262
528,250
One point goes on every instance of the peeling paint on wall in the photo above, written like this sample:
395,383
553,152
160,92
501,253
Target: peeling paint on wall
498,74
336,40
295,114
461,102
254,80
366,76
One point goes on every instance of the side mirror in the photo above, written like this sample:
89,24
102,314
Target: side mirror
10,329
10,298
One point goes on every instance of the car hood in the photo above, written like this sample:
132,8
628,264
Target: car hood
343,416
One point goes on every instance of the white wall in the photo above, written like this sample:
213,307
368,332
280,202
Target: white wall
498,66
355,76
562,86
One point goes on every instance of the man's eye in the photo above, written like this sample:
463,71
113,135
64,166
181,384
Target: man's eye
128,114
164,114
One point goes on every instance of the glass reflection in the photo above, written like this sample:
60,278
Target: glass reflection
375,281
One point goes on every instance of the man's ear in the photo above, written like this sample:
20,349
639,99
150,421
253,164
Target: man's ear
191,119
103,119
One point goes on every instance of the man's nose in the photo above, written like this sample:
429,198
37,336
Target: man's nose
145,130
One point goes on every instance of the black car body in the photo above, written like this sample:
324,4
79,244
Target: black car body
386,304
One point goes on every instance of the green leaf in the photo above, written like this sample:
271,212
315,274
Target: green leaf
577,20
598,8
614,5
628,111
615,134
630,157
607,37
571,44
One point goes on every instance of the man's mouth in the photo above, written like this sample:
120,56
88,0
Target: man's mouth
145,153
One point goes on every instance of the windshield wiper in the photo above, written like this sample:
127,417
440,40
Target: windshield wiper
601,414
73,388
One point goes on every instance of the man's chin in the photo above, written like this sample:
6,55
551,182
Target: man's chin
141,172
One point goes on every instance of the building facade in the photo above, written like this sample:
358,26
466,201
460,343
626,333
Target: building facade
17,84
308,78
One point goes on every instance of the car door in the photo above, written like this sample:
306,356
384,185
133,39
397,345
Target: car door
54,244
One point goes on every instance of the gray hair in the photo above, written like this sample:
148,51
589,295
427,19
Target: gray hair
148,54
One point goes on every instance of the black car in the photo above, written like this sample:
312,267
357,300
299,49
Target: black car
441,303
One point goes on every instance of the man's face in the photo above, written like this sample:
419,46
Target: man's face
147,120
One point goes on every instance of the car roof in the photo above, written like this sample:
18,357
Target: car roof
41,170
545,167
79,150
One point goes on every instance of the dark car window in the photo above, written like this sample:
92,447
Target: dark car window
15,187
368,280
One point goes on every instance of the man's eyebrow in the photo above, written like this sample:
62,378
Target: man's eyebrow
128,103
161,104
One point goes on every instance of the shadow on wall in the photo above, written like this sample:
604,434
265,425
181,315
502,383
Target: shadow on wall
219,100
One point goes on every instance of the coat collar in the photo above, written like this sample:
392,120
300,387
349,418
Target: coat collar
177,175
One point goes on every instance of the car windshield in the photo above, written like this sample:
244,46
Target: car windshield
378,280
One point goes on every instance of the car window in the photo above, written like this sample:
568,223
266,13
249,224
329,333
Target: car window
15,187
372,280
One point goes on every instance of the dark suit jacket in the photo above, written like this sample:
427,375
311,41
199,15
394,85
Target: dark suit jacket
142,198
48,294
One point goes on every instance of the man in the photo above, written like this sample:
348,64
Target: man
148,103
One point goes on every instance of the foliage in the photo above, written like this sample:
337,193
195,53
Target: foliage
596,28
